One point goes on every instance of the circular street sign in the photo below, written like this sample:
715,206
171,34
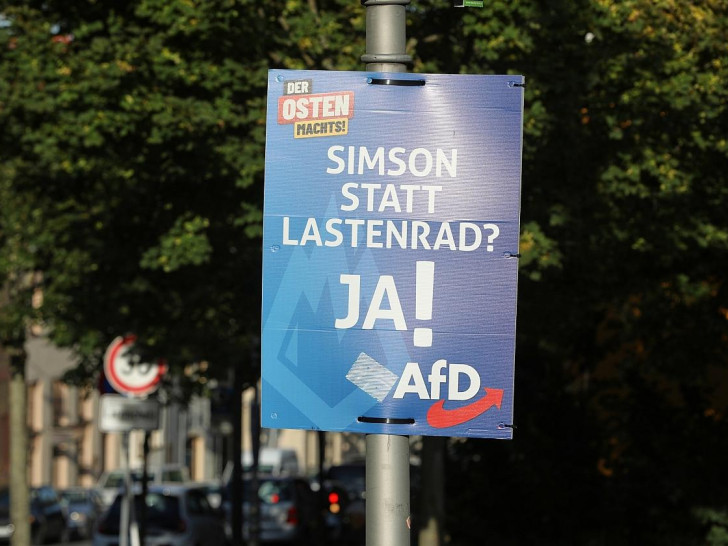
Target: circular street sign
126,373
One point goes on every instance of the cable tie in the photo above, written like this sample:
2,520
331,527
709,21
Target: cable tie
389,81
387,420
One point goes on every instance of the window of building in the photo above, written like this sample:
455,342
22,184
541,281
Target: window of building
60,403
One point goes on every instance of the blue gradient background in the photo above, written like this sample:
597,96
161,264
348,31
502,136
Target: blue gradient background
304,358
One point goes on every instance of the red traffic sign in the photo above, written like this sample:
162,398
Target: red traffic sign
126,373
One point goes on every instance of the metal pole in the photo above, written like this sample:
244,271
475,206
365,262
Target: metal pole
127,499
236,481
386,36
142,516
388,490
387,457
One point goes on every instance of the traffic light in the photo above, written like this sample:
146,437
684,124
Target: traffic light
335,500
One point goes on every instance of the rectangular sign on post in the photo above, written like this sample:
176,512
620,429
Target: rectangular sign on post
391,226
120,414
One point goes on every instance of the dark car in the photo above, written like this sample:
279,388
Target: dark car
83,507
171,515
47,520
289,510
344,488
6,527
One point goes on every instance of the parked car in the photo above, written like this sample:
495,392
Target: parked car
344,489
47,520
289,510
111,481
175,515
82,507
215,492
6,526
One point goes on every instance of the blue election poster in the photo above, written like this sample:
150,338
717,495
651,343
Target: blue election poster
390,252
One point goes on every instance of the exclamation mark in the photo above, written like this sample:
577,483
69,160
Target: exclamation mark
424,287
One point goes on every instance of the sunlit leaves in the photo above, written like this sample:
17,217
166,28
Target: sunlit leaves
184,244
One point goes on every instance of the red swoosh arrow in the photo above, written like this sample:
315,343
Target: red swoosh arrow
439,417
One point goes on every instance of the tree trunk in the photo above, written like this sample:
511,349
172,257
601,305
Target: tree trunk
19,491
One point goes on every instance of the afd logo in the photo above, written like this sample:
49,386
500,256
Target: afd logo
412,381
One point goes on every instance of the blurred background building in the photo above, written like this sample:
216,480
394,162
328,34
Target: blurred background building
66,447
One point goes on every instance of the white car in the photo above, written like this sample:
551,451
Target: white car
111,482
176,515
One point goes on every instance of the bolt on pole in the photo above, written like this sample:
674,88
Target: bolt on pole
387,456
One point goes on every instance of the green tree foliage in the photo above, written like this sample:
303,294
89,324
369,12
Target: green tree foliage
131,168
622,356
135,133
